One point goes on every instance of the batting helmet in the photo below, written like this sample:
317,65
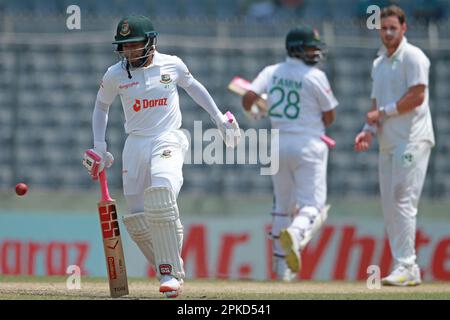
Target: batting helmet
135,28
303,37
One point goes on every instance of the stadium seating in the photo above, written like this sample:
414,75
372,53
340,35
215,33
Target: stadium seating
47,92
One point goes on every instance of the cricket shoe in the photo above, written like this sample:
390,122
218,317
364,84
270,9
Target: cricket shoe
170,286
403,276
291,247
281,269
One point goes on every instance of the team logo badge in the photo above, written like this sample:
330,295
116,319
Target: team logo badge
407,159
165,78
125,29
165,269
166,154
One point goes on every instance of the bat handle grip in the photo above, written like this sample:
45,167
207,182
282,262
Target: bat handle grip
104,186
330,142
229,116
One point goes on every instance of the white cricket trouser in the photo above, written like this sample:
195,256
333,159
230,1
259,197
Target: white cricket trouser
152,161
301,179
402,174
302,175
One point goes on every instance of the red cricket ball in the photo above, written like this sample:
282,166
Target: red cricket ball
21,189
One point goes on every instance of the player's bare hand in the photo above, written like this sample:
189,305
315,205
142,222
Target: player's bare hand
374,117
363,141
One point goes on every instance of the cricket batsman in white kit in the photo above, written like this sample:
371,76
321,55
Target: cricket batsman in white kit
301,104
401,119
154,151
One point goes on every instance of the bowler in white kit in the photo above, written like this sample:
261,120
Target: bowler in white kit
400,117
146,81
300,105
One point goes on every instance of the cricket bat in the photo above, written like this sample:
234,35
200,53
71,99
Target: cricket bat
240,86
112,241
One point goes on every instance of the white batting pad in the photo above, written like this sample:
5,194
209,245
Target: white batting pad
280,221
316,220
138,227
167,232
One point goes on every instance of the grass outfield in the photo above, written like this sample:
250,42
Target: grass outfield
191,204
45,288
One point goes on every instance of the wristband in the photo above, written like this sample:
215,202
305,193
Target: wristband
390,109
372,129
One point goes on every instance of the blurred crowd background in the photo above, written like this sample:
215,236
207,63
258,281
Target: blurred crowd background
49,77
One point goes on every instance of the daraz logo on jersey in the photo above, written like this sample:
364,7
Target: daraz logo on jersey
145,103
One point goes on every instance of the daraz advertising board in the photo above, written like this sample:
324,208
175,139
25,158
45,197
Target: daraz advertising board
223,248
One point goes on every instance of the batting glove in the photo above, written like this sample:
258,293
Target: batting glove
95,160
255,113
229,129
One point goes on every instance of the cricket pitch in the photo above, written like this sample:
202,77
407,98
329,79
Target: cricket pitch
54,288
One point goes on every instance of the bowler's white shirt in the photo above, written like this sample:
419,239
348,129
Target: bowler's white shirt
150,98
392,77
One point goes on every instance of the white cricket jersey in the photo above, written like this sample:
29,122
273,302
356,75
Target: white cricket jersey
297,96
392,77
150,98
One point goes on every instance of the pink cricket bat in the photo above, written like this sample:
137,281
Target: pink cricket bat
229,115
112,241
240,86
330,142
